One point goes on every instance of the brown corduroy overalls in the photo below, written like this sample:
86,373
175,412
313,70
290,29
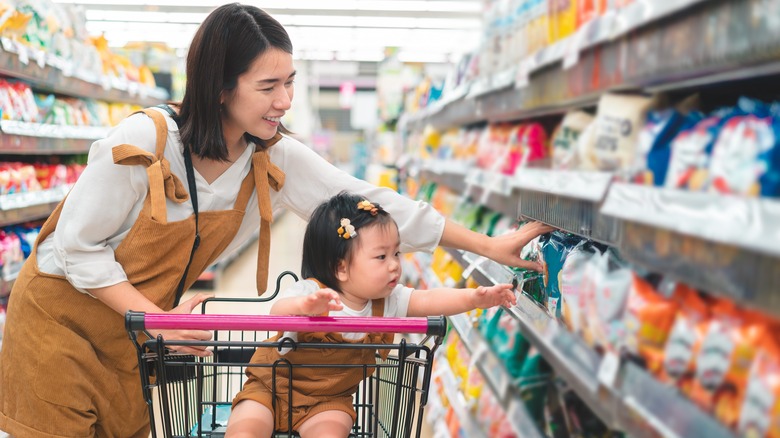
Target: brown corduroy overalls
67,367
314,390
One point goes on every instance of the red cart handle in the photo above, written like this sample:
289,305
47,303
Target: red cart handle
432,325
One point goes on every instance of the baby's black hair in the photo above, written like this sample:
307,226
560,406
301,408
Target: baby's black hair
323,247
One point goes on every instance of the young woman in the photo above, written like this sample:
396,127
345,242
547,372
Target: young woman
161,200
351,254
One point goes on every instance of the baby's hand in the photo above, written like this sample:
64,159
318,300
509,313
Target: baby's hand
497,295
324,300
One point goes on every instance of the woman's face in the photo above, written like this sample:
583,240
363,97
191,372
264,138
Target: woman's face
261,97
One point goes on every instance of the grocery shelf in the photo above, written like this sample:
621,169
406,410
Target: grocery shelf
720,243
633,401
496,376
26,206
645,46
568,200
38,138
46,72
450,386
450,173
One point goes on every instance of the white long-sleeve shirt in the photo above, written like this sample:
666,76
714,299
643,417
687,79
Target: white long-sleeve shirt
105,202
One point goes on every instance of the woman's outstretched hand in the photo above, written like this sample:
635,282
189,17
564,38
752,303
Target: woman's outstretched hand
505,249
186,308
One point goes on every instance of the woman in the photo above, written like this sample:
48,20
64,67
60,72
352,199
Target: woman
160,200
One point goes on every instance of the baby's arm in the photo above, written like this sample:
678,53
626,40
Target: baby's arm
317,303
449,301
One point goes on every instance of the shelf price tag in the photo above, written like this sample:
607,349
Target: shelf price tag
520,420
524,70
40,58
24,57
7,44
608,370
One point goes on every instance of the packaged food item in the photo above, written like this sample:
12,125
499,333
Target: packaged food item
743,152
692,149
619,119
606,309
723,362
653,147
555,249
571,283
688,332
648,319
564,139
760,412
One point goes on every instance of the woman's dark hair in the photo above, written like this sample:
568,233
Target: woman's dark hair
223,48
324,248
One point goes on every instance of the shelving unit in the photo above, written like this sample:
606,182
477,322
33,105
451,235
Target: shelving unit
28,206
35,138
723,245
48,73
631,400
652,46
457,401
679,232
54,74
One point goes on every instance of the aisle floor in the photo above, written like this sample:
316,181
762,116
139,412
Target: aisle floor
238,279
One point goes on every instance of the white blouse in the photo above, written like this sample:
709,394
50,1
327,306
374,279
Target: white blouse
105,202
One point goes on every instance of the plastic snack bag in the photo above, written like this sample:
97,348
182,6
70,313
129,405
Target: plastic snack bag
564,139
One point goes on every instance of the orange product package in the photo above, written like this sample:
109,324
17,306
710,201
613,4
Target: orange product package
733,339
648,320
759,415
688,331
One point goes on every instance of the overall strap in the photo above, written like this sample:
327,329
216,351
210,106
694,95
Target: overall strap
194,197
162,183
267,176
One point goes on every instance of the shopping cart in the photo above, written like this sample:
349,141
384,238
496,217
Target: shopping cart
191,396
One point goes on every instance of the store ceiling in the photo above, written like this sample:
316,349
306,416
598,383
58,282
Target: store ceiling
347,30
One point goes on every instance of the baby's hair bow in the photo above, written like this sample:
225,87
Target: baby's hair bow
367,206
346,230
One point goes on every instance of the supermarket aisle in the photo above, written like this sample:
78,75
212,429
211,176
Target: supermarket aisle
238,280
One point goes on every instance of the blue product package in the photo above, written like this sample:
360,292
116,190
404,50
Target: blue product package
739,155
691,150
656,138
555,248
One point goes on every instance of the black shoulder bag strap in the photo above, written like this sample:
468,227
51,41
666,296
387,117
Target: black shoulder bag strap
193,198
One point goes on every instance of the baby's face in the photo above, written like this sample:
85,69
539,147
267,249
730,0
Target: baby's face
375,266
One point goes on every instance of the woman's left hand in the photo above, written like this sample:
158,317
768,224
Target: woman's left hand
505,249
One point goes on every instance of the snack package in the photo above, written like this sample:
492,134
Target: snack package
742,153
648,319
564,139
685,338
619,120
555,248
723,362
611,294
571,284
653,145
692,150
531,282
760,413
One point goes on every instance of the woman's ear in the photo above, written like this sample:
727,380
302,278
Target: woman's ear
342,273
